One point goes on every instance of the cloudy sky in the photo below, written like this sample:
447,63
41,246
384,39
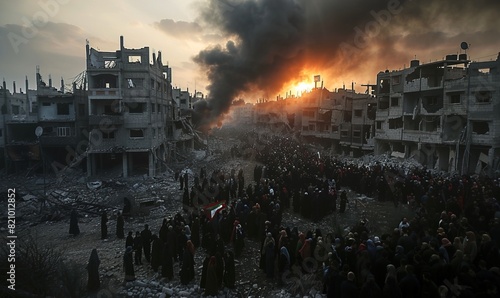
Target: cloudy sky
231,48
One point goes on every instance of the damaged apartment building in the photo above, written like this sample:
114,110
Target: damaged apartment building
61,115
442,113
135,123
342,120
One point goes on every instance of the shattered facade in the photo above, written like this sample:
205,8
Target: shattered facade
342,119
271,115
59,113
441,113
132,115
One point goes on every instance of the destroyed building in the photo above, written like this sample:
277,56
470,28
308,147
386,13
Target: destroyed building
342,120
60,114
18,111
182,107
132,118
271,115
443,113
240,115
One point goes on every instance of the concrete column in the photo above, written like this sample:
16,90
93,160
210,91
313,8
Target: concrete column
90,157
130,162
94,165
491,160
151,164
125,164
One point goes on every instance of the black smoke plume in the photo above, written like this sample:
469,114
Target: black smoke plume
271,42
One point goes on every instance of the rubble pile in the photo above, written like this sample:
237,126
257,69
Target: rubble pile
163,197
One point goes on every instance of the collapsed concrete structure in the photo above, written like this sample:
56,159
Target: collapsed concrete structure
443,113
61,115
134,121
120,116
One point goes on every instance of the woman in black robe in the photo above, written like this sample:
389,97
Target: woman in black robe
120,223
93,282
283,264
187,270
73,224
343,201
269,256
203,280
211,283
195,231
219,268
167,263
156,253
130,240
229,270
128,264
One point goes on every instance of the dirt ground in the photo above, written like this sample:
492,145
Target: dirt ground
163,190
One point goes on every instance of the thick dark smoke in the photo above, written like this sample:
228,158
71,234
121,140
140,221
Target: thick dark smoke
272,42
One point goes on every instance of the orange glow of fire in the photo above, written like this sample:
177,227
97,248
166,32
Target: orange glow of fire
297,88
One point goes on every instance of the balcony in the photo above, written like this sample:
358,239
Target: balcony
389,134
483,139
54,140
21,118
106,119
104,93
433,137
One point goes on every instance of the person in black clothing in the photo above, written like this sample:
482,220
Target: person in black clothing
229,270
104,225
93,283
181,181
156,249
130,240
348,288
343,201
73,224
186,180
127,206
128,264
167,264
138,248
120,223
146,242
187,270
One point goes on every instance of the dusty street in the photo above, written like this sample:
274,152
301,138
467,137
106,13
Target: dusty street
166,198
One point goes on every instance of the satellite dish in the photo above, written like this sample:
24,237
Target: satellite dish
38,131
464,45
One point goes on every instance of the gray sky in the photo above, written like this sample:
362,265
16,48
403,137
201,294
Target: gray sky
261,47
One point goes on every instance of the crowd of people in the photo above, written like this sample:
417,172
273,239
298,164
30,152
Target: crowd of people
449,248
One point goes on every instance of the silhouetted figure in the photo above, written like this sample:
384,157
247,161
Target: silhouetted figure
156,248
93,282
130,240
181,181
127,206
211,281
167,263
186,180
187,270
138,248
104,225
343,201
120,224
73,224
229,270
146,242
128,264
